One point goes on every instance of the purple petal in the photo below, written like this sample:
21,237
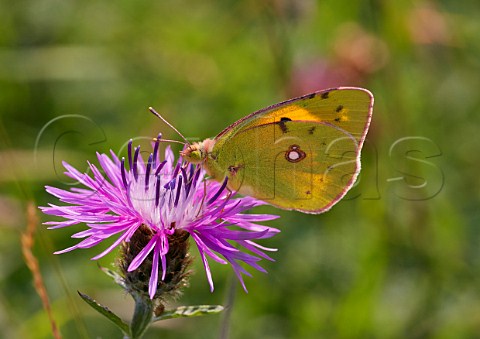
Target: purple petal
202,247
124,237
152,284
207,269
137,261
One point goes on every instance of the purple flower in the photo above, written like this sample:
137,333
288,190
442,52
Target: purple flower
167,197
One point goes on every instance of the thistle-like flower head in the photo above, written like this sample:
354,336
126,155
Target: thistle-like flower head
152,208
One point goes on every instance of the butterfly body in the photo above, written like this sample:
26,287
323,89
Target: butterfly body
302,154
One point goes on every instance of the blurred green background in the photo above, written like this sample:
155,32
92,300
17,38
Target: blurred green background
398,258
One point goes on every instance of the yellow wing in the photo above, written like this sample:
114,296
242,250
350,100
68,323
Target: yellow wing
302,154
349,108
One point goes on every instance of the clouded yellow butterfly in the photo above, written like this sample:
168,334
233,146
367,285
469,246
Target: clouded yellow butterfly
302,154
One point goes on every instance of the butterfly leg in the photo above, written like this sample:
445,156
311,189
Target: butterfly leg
200,207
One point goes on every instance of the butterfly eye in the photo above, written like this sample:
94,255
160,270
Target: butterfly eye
192,154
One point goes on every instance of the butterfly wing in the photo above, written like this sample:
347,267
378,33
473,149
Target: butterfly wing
302,154
349,108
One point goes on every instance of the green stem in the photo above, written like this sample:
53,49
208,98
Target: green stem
142,317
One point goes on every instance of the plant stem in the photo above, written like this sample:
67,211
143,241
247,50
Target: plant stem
142,317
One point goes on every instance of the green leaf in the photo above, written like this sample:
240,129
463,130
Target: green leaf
189,311
114,275
106,313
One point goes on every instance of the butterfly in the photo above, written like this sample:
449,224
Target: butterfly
302,154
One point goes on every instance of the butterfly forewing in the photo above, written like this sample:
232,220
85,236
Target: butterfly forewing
349,108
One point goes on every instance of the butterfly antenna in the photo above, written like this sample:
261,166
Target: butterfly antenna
168,140
151,109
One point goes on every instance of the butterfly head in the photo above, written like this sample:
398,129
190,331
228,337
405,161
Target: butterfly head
197,152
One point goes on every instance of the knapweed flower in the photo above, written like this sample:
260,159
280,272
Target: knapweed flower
152,208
